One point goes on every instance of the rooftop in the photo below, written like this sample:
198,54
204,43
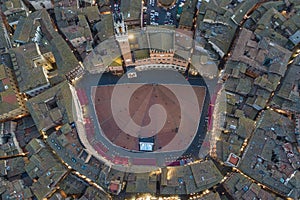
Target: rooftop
104,27
161,39
131,9
92,13
141,183
265,55
138,40
242,10
211,195
186,18
242,188
189,179
295,38
265,151
206,174
45,168
204,64
27,26
73,185
13,10
3,40
13,189
64,57
78,34
10,100
93,193
23,60
53,107
102,56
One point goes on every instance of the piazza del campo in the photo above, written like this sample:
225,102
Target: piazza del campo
150,99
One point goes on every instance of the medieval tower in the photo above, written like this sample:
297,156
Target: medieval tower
121,34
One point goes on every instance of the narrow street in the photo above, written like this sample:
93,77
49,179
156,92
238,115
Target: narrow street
13,156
